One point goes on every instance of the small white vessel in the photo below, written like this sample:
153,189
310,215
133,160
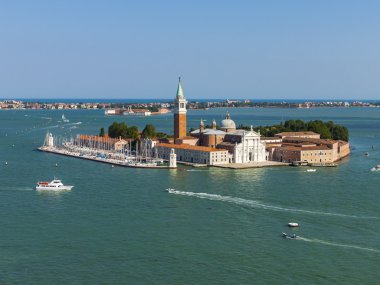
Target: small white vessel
64,119
293,236
376,168
293,225
54,185
311,170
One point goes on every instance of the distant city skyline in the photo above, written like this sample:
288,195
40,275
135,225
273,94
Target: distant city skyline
221,49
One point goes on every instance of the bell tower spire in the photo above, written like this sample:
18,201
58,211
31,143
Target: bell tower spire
179,89
180,113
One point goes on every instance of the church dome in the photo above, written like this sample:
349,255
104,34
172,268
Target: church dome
227,124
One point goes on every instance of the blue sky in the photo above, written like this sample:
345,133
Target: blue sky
293,49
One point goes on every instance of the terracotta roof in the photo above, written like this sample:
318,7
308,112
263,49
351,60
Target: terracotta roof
316,141
101,139
297,148
189,147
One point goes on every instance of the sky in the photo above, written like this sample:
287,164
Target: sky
293,49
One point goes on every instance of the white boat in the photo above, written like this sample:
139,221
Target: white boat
377,168
293,236
64,119
293,225
54,185
311,170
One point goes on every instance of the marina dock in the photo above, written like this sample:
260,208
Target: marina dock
99,159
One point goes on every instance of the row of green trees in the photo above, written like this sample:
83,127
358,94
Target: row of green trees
117,130
327,130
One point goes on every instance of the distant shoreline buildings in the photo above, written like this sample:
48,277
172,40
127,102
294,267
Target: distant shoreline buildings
164,107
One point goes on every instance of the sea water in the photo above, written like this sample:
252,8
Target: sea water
218,226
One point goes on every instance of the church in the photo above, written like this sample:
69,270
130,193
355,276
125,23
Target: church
222,145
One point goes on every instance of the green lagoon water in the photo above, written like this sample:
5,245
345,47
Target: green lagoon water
119,226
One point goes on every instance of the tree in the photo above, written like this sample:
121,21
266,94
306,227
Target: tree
113,130
327,130
340,133
319,127
149,131
101,134
117,130
161,135
132,133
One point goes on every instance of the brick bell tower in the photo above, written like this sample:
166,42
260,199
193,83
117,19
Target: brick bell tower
180,113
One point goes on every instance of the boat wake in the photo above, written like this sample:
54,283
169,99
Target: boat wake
257,204
73,124
338,244
10,188
50,127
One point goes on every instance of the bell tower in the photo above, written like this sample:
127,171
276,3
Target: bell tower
180,113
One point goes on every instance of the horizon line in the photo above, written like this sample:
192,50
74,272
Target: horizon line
211,99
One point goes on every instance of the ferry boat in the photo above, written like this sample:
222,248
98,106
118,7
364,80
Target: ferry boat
54,185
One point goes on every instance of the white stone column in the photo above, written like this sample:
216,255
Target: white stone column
172,159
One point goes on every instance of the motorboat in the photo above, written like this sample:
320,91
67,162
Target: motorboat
376,168
64,119
293,225
293,236
366,153
311,170
170,190
54,185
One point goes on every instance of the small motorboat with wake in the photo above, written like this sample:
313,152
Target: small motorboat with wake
293,236
64,119
54,185
170,190
293,225
376,168
311,170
